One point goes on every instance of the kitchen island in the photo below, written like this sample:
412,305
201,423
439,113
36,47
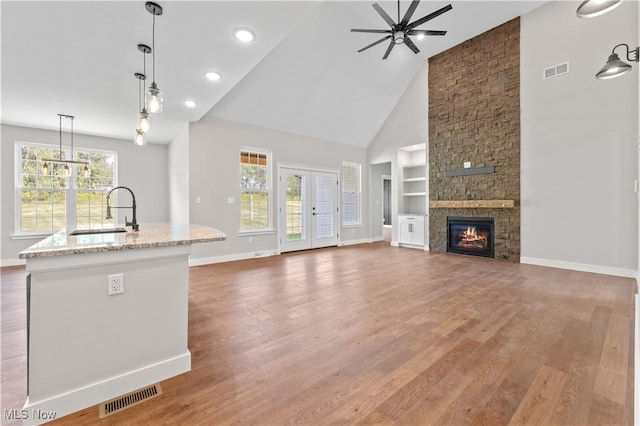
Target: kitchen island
107,313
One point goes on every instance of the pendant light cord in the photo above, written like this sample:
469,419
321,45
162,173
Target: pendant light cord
153,46
60,132
71,137
144,87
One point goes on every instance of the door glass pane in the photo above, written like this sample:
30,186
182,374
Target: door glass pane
324,206
295,214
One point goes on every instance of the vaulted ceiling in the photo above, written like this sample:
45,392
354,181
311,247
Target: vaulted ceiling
302,74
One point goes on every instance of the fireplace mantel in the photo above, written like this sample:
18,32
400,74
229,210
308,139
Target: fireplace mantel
474,204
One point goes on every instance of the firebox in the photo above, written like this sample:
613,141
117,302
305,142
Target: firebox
470,235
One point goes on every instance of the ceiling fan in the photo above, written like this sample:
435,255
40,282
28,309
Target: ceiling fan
400,31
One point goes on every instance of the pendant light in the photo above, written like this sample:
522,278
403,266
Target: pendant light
141,137
144,118
67,170
154,95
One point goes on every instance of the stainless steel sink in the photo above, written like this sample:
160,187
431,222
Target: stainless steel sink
97,231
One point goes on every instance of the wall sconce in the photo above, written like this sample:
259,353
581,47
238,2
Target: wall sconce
616,67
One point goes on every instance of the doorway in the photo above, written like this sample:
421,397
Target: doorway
387,221
308,210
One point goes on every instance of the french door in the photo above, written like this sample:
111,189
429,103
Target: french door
308,211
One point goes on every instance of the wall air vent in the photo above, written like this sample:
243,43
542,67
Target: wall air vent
129,400
555,71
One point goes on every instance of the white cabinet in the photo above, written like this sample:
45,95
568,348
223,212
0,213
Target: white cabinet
411,230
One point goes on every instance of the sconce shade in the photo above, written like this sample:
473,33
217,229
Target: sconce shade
613,68
593,8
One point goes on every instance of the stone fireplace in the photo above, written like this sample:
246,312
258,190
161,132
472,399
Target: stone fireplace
474,140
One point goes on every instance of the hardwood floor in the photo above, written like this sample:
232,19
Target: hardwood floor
372,334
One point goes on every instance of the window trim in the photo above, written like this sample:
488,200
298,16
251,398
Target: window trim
269,229
71,189
358,222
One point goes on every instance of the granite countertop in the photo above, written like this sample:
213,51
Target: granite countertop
149,235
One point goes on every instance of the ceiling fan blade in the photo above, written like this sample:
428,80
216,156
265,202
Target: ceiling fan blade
409,14
384,15
429,16
357,30
386,54
427,32
374,43
410,44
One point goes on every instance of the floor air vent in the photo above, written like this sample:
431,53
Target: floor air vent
555,71
129,400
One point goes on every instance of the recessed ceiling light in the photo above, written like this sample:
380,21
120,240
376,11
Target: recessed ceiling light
213,76
243,35
190,103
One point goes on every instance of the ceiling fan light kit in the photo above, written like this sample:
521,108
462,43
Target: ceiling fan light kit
401,30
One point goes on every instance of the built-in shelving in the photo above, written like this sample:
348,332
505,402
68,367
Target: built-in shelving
412,168
412,165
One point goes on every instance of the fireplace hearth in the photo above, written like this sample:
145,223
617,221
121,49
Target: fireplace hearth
470,235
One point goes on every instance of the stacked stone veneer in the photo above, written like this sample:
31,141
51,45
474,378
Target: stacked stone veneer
474,115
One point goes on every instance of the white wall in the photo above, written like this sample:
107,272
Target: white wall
578,157
143,169
408,124
179,176
214,148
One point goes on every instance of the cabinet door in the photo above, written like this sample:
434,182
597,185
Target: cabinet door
404,233
417,236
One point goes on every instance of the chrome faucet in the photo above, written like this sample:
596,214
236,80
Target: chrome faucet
134,223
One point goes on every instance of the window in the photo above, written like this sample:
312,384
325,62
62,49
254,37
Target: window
255,190
351,194
52,201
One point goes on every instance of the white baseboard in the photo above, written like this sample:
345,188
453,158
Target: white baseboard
354,242
12,262
377,239
596,269
394,244
231,257
96,393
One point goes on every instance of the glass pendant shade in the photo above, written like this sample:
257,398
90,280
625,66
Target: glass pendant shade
85,171
67,170
154,99
45,169
140,138
144,121
613,68
593,8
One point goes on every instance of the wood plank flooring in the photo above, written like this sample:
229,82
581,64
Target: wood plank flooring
372,334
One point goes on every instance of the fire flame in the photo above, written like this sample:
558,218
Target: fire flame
470,237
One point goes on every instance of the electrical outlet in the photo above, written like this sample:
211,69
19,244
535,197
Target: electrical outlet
115,284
